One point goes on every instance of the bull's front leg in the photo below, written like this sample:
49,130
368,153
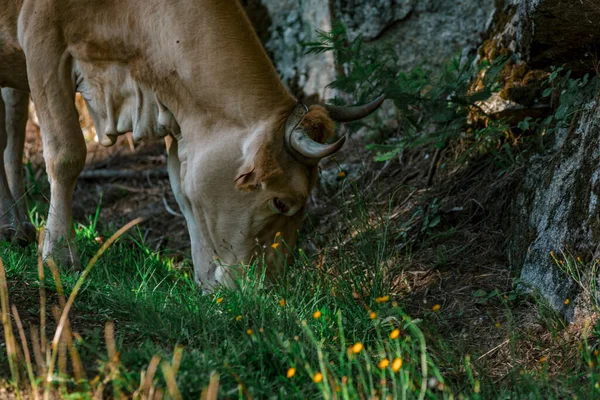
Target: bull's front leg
208,272
17,110
64,153
174,168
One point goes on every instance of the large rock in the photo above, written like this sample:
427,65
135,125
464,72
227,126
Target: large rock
283,26
556,213
425,32
557,32
422,31
370,18
554,228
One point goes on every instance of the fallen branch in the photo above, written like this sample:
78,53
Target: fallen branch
131,189
433,167
123,174
494,349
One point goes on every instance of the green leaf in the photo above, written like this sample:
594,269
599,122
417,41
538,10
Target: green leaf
435,221
523,125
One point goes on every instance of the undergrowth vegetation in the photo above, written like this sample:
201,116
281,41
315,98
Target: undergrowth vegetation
332,328
336,325
435,109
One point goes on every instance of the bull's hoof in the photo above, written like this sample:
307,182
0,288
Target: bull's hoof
7,232
65,258
26,234
22,235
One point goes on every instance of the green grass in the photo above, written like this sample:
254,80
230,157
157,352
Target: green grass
157,307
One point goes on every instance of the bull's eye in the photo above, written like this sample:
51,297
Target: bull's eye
279,206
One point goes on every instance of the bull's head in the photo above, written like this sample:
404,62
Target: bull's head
245,202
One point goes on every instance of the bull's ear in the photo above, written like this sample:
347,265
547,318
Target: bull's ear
248,180
259,169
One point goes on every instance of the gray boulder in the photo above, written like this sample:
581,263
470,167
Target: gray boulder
557,32
553,228
422,31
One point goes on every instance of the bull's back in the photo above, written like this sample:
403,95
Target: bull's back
13,69
206,48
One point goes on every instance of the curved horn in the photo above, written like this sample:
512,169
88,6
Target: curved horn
348,114
300,145
310,152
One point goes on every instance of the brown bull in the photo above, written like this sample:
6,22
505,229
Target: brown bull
244,152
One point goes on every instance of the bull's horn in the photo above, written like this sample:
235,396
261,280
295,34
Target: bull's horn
311,151
348,114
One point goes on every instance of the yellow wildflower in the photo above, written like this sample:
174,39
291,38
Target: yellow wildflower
567,301
383,364
397,364
395,334
543,359
382,299
219,300
341,174
291,372
249,332
317,314
282,302
372,315
275,246
357,347
278,234
238,318
436,308
318,377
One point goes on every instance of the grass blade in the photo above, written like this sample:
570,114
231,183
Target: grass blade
76,288
25,351
11,349
37,351
167,371
41,278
